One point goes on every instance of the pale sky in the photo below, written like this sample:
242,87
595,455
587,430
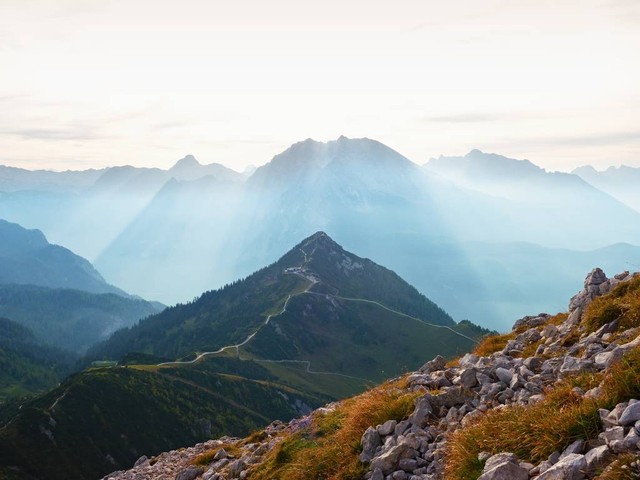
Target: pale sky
88,83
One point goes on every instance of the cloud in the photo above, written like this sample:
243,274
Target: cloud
463,118
588,140
54,134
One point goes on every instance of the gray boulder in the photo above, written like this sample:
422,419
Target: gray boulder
630,415
370,442
503,466
571,467
190,473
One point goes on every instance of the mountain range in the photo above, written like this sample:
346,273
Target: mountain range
464,230
318,324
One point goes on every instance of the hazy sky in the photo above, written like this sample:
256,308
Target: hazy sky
93,83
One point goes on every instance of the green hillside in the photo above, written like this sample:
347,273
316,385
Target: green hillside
229,315
105,419
70,319
25,366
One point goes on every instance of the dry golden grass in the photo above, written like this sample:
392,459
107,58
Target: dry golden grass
329,448
619,469
207,457
558,318
623,303
493,343
534,432
255,437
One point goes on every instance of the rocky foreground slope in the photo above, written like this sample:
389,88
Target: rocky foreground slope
557,398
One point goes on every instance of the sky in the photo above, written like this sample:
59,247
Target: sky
93,83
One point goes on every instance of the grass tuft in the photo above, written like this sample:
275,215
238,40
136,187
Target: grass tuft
534,432
329,447
623,303
207,457
493,343
619,469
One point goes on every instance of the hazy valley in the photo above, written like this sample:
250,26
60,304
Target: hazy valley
469,240
272,316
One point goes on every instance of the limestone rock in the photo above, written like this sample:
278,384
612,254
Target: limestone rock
571,467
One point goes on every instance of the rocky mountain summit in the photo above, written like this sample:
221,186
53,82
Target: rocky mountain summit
556,398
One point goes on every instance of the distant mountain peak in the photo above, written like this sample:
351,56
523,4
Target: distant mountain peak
320,240
477,162
311,155
474,153
189,161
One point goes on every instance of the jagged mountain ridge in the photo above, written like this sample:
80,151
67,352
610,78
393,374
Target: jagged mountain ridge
557,398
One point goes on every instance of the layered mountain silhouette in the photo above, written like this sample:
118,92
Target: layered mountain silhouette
319,324
71,319
619,182
537,206
59,295
87,210
461,229
26,257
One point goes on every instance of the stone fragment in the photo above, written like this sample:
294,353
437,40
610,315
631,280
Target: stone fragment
504,375
574,447
420,415
387,428
497,459
388,461
503,466
190,473
142,462
370,441
571,467
597,457
468,378
438,363
573,365
630,415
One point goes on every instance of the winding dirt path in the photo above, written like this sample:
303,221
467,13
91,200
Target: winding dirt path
313,280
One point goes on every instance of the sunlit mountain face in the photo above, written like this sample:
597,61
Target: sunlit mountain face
487,237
